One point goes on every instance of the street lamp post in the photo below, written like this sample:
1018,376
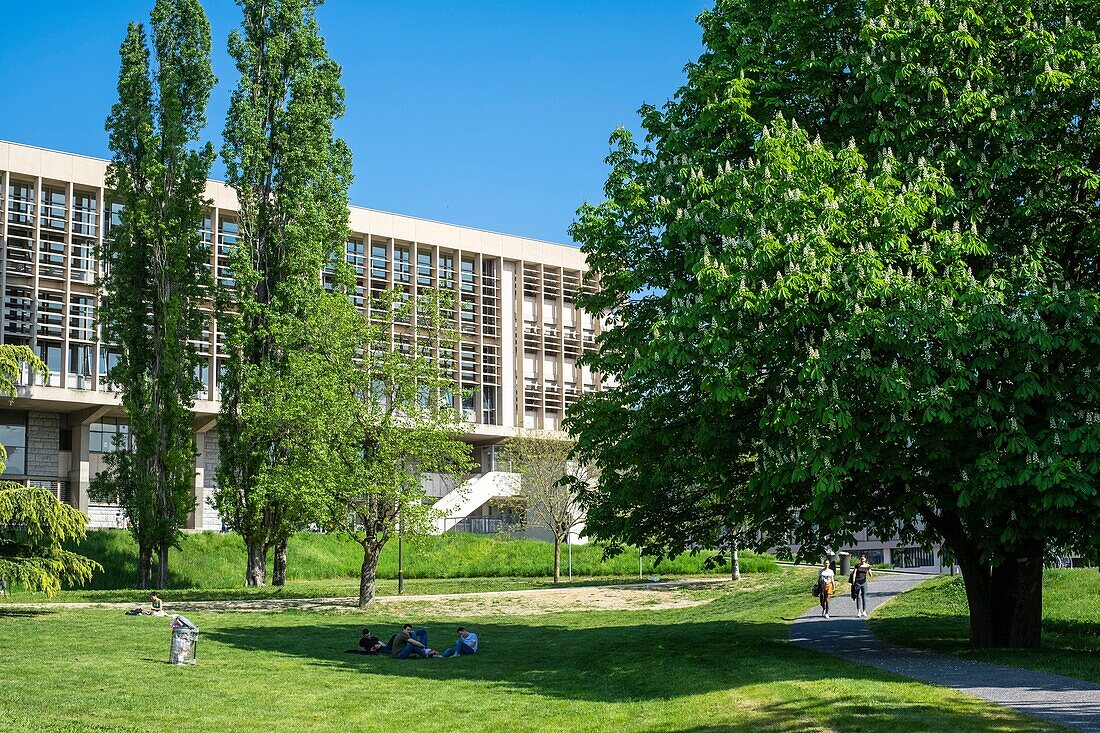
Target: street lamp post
569,544
400,559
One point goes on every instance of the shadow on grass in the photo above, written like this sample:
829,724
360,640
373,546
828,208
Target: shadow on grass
23,612
1070,648
639,662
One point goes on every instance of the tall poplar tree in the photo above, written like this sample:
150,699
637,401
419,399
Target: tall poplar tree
291,175
155,278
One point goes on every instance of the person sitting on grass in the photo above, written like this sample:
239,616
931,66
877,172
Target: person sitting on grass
411,643
466,644
368,644
156,606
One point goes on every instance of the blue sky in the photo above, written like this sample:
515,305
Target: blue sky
491,114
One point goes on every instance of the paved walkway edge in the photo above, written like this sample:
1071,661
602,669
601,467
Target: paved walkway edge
1063,700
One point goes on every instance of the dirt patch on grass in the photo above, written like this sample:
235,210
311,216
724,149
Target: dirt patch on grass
650,597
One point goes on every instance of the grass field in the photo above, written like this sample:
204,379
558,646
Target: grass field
724,664
216,561
934,616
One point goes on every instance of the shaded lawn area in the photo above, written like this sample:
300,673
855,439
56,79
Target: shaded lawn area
332,588
934,616
723,666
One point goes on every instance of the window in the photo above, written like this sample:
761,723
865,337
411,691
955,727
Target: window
53,208
108,360
874,557
80,365
50,352
102,434
424,269
402,269
227,242
447,271
467,275
489,405
13,435
85,213
911,557
378,260
21,203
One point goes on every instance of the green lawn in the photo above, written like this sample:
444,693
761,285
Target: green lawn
934,616
725,665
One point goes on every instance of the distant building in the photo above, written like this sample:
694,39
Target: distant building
520,331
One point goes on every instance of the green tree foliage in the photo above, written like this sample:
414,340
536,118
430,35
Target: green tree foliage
386,393
547,480
34,525
156,277
291,176
885,317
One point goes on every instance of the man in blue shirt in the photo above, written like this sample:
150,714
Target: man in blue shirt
466,644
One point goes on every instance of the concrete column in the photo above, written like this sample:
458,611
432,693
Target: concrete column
80,475
205,462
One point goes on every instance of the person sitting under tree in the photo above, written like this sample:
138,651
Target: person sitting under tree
410,643
466,644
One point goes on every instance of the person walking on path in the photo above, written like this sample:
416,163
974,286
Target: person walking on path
858,578
825,586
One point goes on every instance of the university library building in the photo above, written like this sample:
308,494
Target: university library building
519,329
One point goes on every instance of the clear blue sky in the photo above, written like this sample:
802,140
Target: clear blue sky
486,113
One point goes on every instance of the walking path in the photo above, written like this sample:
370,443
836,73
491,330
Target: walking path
1069,702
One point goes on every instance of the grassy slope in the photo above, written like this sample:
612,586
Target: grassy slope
934,616
211,560
723,666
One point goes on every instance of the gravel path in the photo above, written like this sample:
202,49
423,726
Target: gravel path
1069,702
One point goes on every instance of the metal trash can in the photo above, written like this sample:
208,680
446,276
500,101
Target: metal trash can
185,641
845,564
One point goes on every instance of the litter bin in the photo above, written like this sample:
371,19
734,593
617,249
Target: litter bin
845,564
185,641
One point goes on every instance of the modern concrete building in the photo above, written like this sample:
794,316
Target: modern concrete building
521,334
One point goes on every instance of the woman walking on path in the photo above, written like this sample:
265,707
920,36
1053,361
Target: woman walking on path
825,586
858,578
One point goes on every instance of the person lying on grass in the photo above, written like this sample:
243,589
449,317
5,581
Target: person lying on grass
411,643
466,644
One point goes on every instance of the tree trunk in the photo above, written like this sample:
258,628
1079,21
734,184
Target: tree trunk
368,573
1016,590
278,572
976,581
256,573
1006,601
557,559
735,563
162,567
145,567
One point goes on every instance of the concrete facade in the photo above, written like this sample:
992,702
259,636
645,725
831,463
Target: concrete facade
520,332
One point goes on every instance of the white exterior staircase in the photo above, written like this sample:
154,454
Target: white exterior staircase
473,494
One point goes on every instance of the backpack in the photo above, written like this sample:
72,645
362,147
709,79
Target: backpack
817,589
